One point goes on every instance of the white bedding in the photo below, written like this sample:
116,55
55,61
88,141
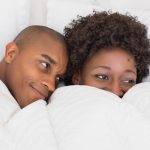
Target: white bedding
139,97
31,128
79,118
88,118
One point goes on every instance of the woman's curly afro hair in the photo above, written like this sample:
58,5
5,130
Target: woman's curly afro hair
106,30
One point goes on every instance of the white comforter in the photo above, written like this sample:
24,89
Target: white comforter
8,108
24,129
78,118
86,118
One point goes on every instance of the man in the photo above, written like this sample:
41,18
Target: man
32,64
29,71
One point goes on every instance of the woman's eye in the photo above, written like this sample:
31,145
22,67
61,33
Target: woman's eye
102,77
131,81
57,79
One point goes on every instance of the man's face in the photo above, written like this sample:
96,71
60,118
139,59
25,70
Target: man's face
31,73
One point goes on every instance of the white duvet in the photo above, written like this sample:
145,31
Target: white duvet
86,118
82,118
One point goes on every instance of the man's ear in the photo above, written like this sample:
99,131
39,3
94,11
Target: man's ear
11,51
76,78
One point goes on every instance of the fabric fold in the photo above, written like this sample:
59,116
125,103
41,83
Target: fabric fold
89,118
32,129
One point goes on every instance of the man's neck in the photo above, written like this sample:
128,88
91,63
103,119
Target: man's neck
2,65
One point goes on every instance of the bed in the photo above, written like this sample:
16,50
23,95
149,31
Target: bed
77,117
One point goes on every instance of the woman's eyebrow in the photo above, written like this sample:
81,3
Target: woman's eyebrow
104,67
109,68
131,71
49,59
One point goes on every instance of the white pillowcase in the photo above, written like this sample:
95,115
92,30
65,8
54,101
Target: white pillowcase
14,17
60,13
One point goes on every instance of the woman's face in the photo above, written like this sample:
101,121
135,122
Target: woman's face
111,70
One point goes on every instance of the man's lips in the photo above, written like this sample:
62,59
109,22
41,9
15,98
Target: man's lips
39,94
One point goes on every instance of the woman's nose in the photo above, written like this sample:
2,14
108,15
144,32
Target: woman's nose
116,89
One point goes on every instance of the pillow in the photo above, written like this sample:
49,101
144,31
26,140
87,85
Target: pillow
60,13
86,118
14,17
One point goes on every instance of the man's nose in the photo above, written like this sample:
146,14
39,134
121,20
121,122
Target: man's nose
50,83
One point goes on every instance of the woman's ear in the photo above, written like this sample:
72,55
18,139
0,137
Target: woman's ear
76,78
11,51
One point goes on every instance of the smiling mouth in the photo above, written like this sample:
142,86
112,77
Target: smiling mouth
39,94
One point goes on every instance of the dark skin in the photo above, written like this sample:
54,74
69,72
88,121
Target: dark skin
30,71
106,72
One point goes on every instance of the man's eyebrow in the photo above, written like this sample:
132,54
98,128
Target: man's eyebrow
48,58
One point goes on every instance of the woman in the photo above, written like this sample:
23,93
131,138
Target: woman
109,51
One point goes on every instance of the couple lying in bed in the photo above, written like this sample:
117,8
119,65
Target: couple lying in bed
106,50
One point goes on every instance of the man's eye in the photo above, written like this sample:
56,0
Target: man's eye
102,77
45,65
